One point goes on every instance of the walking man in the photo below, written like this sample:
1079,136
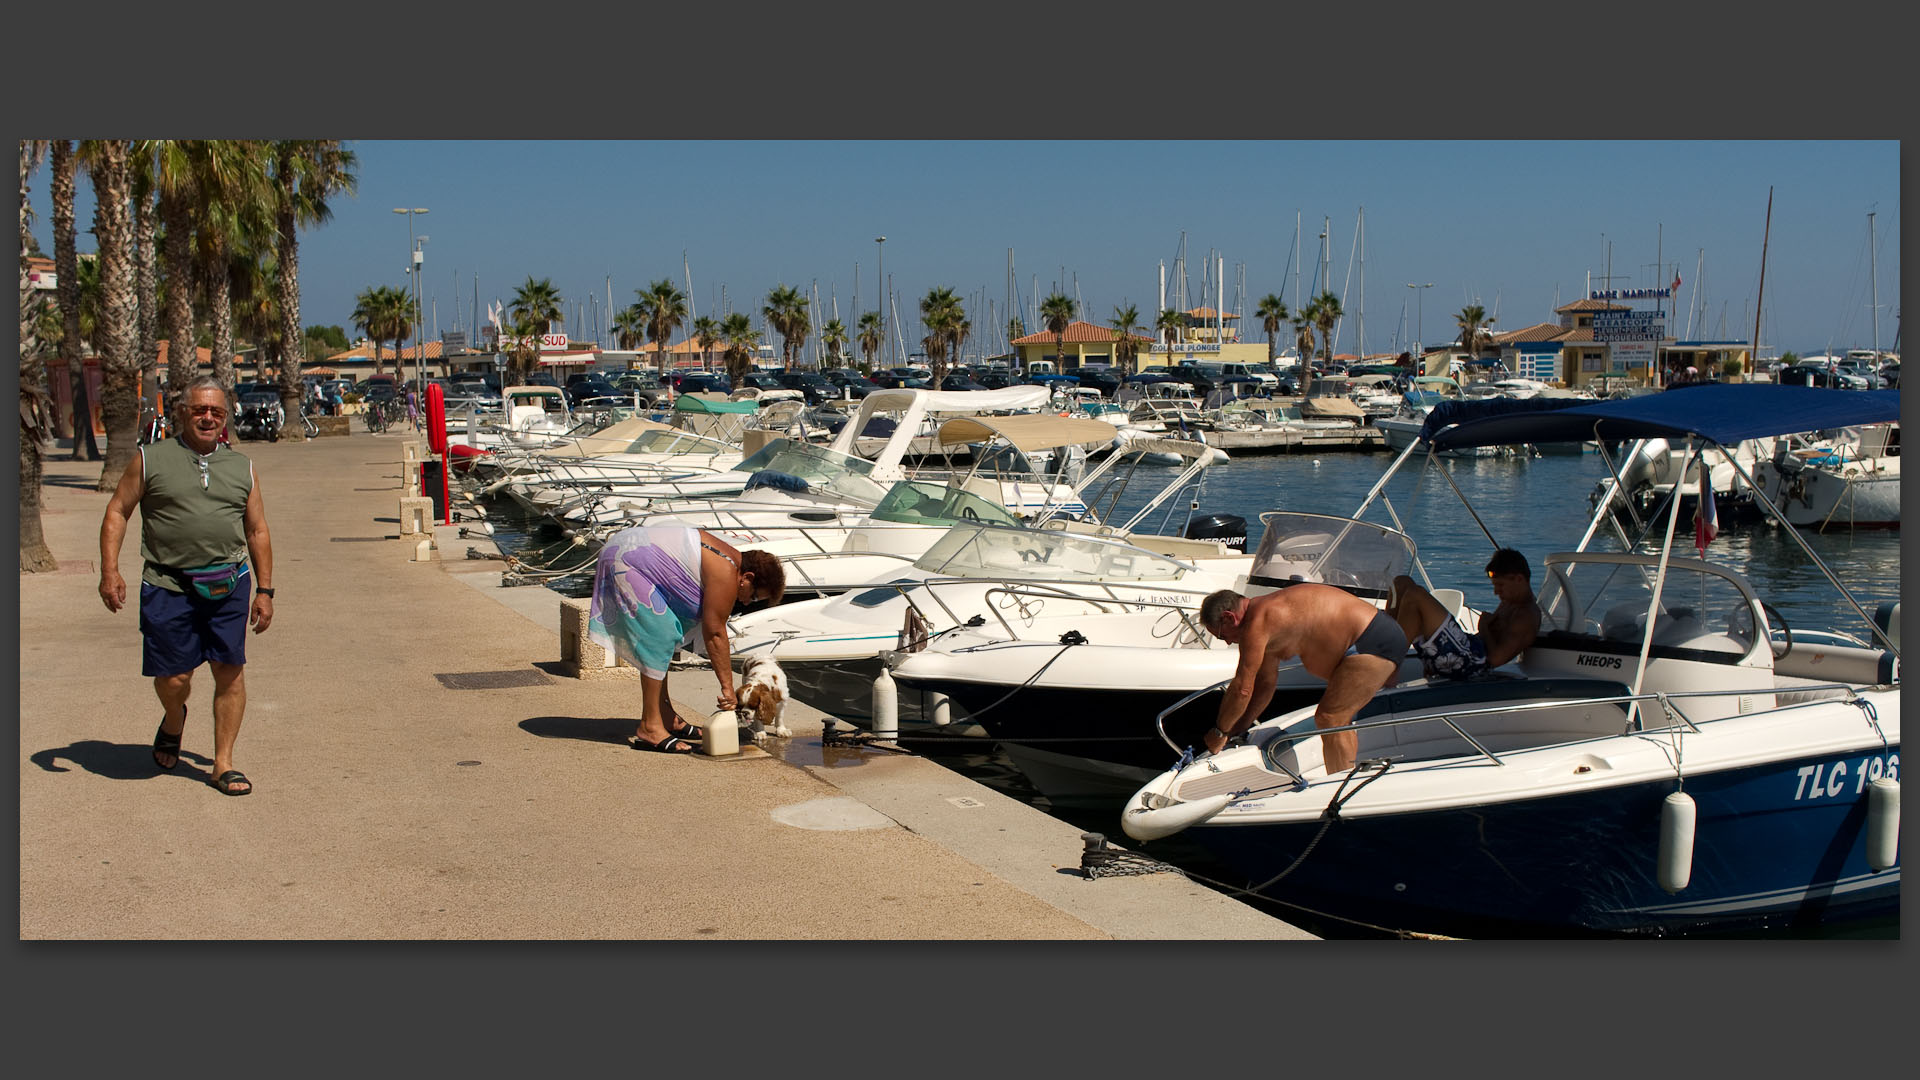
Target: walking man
203,541
1354,646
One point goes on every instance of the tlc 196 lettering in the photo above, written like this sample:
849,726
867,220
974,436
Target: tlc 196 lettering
1828,781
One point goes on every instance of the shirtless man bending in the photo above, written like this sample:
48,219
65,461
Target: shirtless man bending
1319,624
1445,648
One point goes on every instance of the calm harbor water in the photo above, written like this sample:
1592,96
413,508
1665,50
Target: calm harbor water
1535,504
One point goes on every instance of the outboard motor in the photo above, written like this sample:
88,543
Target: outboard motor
1230,529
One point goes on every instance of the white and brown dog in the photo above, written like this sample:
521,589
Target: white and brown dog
763,697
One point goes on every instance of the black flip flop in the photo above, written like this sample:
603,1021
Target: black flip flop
225,781
685,731
164,743
672,744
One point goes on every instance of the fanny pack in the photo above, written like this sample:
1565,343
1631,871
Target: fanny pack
214,582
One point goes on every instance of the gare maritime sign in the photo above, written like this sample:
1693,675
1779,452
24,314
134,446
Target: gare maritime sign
1630,294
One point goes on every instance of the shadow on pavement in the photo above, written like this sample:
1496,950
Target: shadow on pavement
115,761
608,729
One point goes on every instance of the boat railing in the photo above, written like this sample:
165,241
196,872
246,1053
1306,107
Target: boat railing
1665,699
1105,596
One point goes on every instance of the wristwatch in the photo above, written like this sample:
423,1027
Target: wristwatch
268,593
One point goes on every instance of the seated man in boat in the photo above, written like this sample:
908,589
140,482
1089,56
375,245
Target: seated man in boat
1445,648
1354,646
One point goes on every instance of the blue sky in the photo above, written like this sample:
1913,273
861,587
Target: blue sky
1509,225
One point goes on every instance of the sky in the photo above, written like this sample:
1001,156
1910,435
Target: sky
1516,227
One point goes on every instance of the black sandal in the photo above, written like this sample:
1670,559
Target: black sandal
226,781
164,743
672,744
685,731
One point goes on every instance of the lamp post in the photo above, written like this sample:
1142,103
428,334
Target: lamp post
1419,322
419,350
880,275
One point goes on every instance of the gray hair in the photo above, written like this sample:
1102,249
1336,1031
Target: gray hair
1216,605
202,382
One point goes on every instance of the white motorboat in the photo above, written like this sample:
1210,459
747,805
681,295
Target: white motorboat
1071,701
1851,481
1669,757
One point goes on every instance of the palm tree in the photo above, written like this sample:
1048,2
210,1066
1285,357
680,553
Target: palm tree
306,173
36,426
369,314
1168,324
737,333
119,367
66,271
664,308
536,306
834,337
233,203
175,186
1125,348
396,304
1302,320
1471,319
1326,312
706,334
786,313
872,331
629,326
940,312
1273,313
146,270
1057,312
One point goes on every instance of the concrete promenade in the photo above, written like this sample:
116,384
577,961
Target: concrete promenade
423,769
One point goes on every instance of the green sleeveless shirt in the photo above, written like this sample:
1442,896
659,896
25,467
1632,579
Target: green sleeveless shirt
184,524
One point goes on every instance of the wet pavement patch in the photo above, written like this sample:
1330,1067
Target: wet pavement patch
355,539
491,680
831,815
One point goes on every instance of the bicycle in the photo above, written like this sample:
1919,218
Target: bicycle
377,416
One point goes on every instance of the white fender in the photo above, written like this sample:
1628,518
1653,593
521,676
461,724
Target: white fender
886,705
1883,823
1144,824
1675,860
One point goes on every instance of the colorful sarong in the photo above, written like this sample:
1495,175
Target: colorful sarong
646,595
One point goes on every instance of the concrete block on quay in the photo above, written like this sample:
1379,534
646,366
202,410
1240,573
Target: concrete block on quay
581,657
416,517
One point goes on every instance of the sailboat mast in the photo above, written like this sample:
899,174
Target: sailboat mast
1873,275
1360,321
1296,260
1765,235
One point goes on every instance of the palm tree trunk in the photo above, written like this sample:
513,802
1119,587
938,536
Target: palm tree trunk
146,279
220,313
119,309
66,268
287,294
34,428
183,358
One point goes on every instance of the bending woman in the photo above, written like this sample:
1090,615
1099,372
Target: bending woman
660,588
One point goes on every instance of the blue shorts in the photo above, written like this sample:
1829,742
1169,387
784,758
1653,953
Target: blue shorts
1452,653
183,631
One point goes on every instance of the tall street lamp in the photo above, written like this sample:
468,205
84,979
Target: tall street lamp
419,350
880,275
1419,322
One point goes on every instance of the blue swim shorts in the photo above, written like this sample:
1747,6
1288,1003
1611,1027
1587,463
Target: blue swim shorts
183,631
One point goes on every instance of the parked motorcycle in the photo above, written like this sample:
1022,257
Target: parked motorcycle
258,422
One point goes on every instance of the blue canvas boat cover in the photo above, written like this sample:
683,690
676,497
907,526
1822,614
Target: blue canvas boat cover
1723,413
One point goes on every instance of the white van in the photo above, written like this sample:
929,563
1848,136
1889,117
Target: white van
1217,370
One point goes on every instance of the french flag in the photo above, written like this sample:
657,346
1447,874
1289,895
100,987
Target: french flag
1706,520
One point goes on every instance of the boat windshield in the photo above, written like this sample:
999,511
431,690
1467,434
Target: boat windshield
677,442
1358,556
826,469
918,502
997,551
1598,602
757,460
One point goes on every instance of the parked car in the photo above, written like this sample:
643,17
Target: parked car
814,385
1856,376
893,380
848,379
699,382
584,391
999,380
1890,376
960,382
1103,379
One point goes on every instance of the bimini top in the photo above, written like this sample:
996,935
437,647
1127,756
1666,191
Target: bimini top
693,403
1028,432
1723,413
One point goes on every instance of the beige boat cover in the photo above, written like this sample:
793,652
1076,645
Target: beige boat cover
1028,432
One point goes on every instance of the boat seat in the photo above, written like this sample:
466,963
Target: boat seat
1450,599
